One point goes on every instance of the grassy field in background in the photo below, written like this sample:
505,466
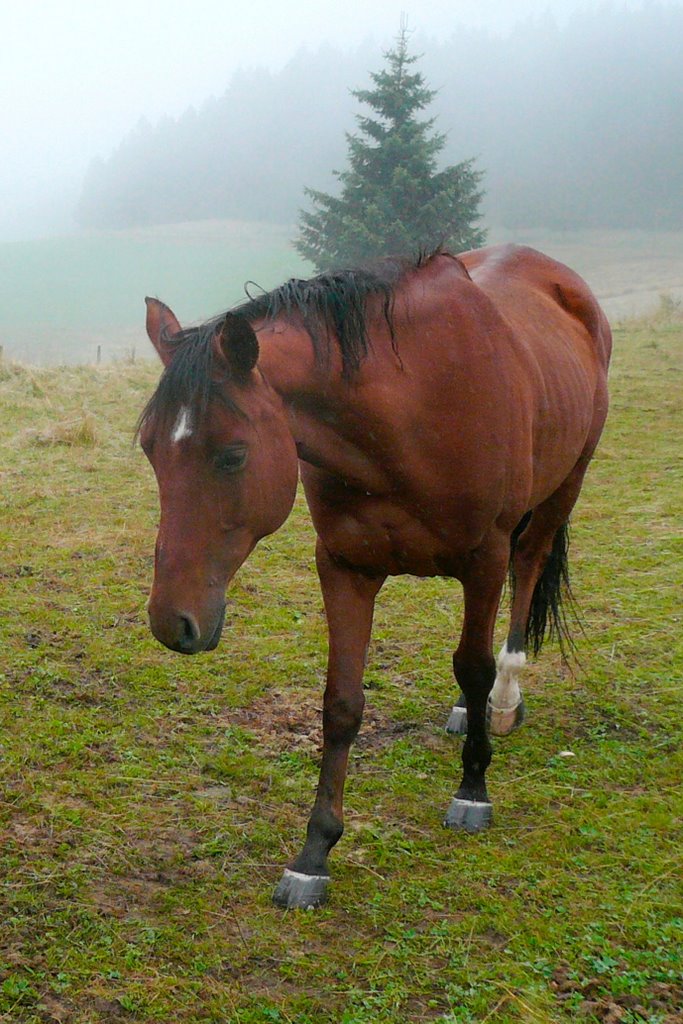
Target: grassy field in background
629,271
149,801
61,298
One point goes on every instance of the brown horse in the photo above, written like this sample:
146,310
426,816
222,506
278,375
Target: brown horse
443,414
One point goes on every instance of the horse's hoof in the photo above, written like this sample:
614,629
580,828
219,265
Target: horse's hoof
303,891
468,815
457,723
503,721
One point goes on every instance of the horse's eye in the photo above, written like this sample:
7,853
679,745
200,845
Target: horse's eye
231,460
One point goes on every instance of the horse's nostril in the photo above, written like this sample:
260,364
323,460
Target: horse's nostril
189,633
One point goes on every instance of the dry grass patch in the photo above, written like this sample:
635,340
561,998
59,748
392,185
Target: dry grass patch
74,433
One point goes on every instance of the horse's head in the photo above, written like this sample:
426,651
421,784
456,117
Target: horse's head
225,461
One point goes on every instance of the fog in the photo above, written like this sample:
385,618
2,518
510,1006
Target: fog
77,78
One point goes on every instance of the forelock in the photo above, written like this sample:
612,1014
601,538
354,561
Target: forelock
190,381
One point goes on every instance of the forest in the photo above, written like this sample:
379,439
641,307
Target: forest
573,126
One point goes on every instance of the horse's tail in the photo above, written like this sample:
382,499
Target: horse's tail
553,608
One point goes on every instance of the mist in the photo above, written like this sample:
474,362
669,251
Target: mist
90,83
166,150
573,126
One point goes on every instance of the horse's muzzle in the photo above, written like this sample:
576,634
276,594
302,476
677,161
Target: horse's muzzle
180,632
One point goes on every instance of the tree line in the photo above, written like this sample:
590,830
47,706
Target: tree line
574,126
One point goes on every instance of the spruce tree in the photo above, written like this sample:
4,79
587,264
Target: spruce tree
394,200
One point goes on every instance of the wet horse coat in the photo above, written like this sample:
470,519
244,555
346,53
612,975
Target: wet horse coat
443,415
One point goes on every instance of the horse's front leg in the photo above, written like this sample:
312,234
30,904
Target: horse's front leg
349,603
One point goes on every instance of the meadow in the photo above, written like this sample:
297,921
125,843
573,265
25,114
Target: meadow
63,299
149,802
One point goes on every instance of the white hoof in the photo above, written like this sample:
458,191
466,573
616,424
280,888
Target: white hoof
503,721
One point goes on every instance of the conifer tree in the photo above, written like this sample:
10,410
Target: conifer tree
394,200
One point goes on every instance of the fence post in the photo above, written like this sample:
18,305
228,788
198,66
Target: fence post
99,354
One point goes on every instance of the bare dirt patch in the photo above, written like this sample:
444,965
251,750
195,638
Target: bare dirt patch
663,999
286,720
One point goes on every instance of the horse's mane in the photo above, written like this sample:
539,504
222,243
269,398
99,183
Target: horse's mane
332,307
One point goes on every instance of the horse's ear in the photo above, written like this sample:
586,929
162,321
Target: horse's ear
161,326
237,345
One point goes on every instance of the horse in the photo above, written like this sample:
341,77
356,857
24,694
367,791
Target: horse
441,413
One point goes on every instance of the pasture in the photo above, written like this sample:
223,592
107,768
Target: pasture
150,801
62,298
91,285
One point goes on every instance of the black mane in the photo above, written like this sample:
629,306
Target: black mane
331,306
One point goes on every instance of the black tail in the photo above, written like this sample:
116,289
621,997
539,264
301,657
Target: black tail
553,608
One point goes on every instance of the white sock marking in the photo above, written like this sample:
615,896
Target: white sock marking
470,803
288,873
183,425
506,693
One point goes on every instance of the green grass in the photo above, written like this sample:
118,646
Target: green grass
149,802
62,297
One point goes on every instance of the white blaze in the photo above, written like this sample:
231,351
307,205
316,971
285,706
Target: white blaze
183,426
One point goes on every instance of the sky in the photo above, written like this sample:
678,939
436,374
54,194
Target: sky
76,77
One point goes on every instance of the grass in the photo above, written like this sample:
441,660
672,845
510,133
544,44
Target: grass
62,298
149,802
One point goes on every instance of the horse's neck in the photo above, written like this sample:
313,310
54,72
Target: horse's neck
287,359
327,428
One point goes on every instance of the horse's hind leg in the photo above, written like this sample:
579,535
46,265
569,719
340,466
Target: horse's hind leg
505,710
457,720
538,568
475,669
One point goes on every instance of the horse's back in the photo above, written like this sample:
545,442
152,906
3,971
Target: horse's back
512,275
